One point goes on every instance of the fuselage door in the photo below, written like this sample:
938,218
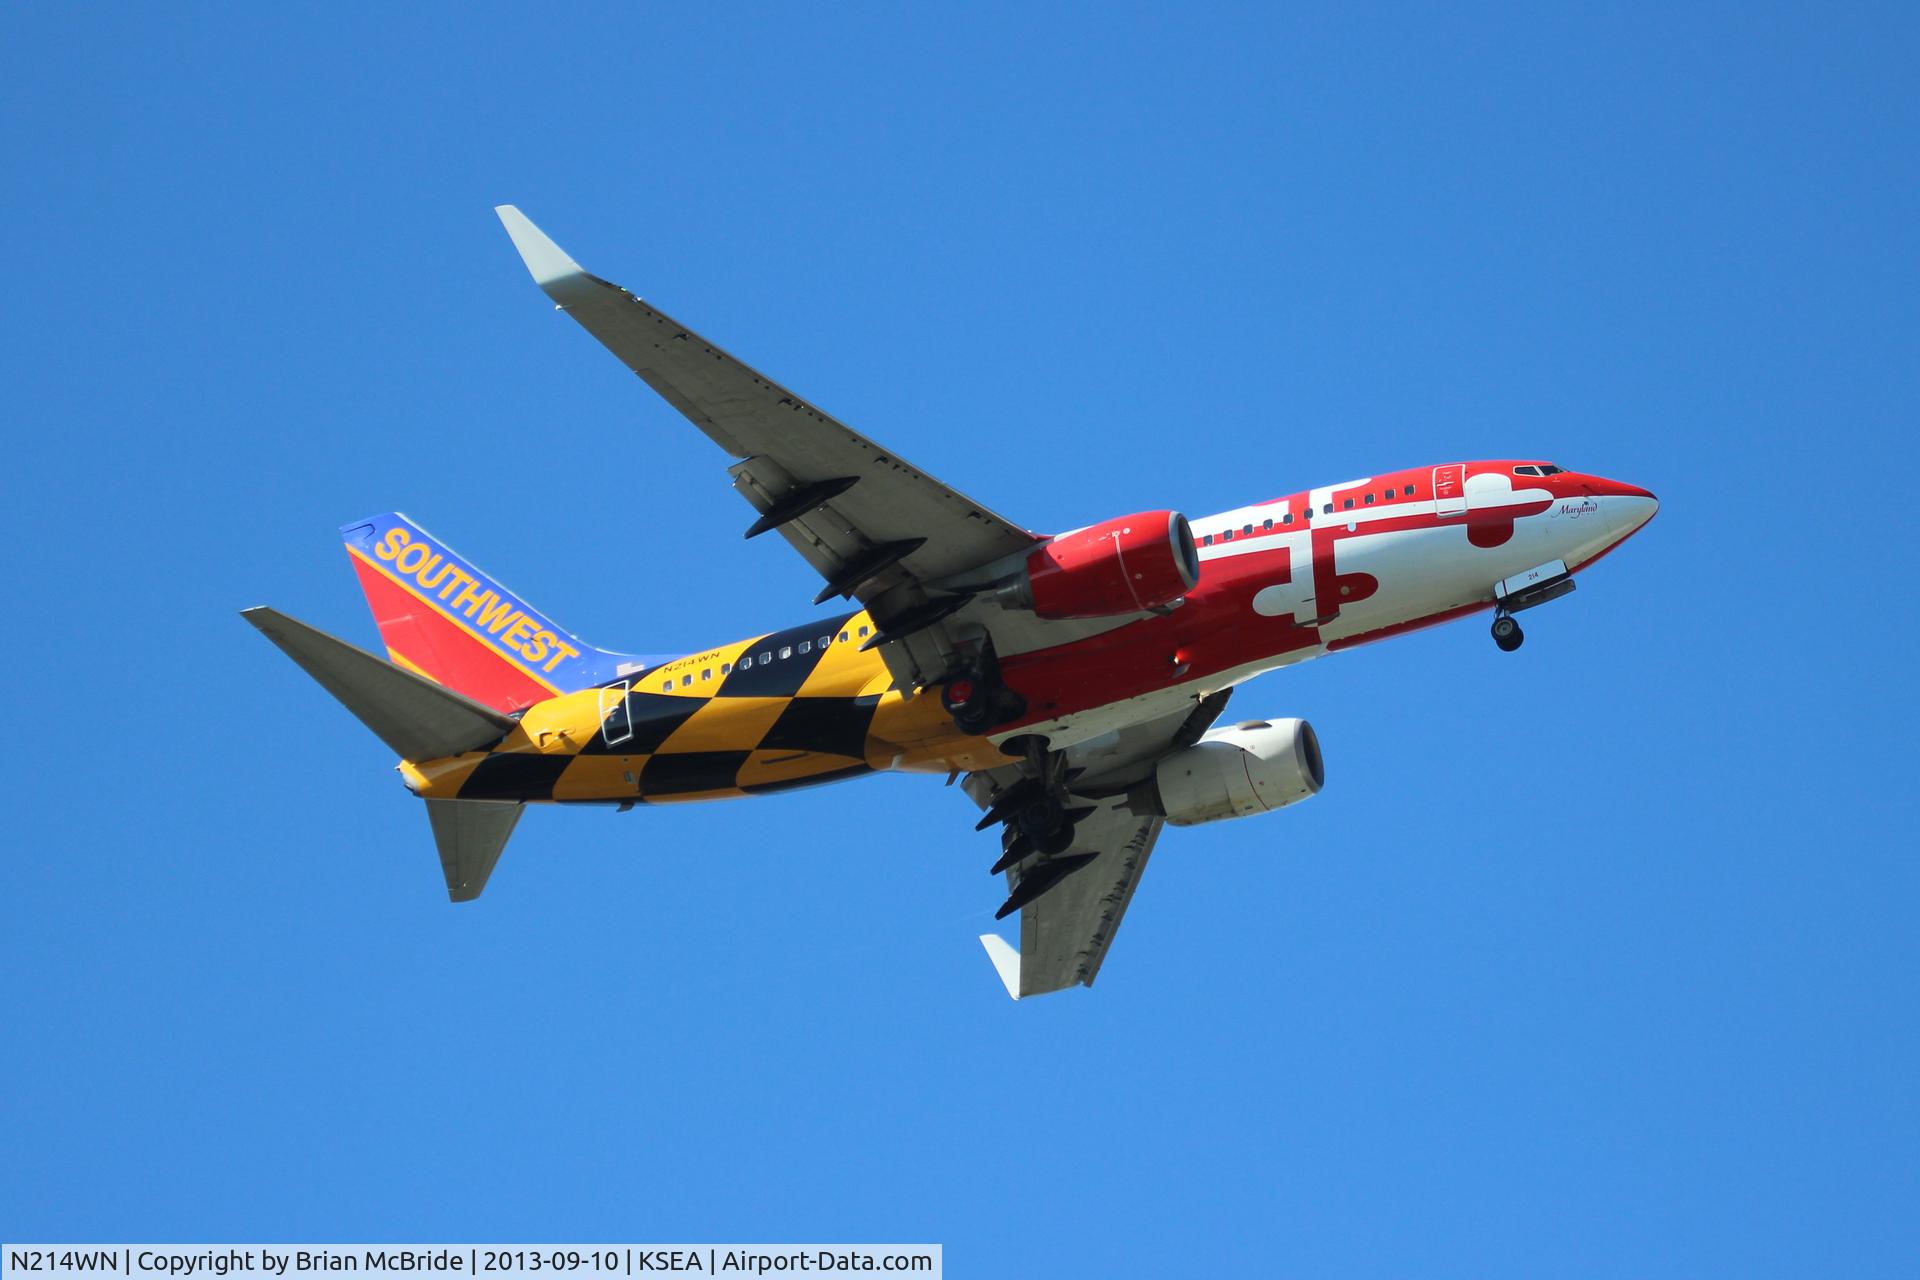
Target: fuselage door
1450,490
616,725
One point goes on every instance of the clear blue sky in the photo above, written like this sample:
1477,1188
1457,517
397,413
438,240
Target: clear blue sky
1596,959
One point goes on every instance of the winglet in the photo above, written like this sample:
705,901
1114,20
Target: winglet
546,261
1006,961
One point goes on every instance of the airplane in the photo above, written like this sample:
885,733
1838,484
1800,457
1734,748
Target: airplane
1073,682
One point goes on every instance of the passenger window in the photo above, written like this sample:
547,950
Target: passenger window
1369,499
863,633
686,679
706,674
822,642
765,658
1247,532
806,646
1226,535
746,661
1207,541
725,668
1390,494
843,637
1347,505
666,686
1327,510
1287,518
1409,491
786,651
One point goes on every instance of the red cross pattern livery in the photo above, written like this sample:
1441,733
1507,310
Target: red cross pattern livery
1077,682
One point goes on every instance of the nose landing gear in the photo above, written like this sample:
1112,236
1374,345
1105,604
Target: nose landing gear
1507,633
1536,586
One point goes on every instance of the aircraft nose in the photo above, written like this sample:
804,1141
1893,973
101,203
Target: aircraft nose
1630,511
1628,506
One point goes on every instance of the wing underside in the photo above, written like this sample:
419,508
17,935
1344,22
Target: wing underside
1064,935
1066,932
872,525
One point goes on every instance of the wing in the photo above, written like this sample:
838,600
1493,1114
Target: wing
1065,933
874,526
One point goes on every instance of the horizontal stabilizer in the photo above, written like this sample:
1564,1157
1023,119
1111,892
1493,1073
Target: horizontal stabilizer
1006,961
471,834
419,719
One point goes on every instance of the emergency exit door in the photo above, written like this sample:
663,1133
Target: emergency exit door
1450,490
616,725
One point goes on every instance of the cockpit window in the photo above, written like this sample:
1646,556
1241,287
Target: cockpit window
1527,471
1548,469
1538,469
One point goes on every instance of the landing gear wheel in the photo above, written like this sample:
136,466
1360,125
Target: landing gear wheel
1042,817
973,721
958,694
1047,824
1056,841
969,703
976,697
1507,633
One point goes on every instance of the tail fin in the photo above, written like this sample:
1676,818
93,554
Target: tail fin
441,617
413,715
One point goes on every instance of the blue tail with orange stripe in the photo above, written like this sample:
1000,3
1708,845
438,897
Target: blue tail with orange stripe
443,618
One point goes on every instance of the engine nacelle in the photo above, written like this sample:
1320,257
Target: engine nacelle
1143,561
1255,767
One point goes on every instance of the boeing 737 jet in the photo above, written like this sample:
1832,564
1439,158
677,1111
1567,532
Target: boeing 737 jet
1076,681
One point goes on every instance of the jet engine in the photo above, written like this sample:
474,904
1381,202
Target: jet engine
1144,561
1254,767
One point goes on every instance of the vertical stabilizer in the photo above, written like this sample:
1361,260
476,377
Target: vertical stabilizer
444,618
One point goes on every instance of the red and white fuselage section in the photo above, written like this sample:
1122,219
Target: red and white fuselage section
1334,567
